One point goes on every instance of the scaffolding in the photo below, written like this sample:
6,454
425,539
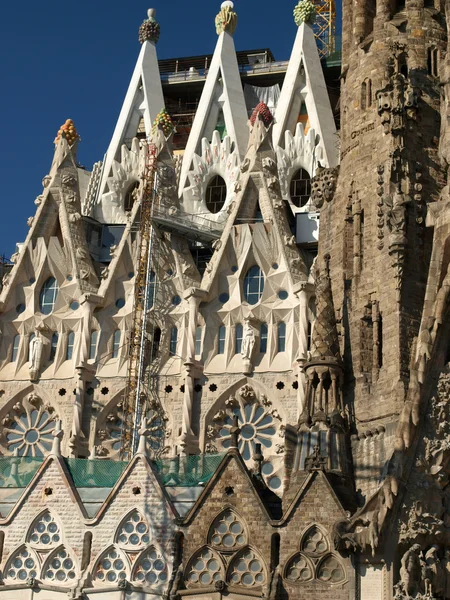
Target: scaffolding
325,27
140,394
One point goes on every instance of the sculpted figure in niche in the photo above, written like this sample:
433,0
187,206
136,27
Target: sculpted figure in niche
36,348
411,570
248,340
396,214
433,573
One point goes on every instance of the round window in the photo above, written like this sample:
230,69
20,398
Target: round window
224,297
282,294
120,302
216,194
176,300
300,189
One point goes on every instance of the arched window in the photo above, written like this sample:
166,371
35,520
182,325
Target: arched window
54,346
198,341
173,341
155,343
263,338
300,188
116,343
221,341
216,194
93,345
31,338
281,337
130,196
15,348
433,57
253,285
70,345
239,332
363,95
47,297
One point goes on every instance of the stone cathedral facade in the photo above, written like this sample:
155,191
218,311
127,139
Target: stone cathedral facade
295,440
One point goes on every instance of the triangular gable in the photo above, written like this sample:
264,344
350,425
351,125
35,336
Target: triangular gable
304,82
144,99
59,207
222,92
315,485
232,468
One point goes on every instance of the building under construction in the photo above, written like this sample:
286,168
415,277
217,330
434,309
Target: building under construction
223,357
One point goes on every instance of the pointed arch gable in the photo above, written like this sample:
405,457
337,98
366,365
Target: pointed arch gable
228,531
110,567
204,568
22,564
61,567
45,531
133,532
151,569
247,569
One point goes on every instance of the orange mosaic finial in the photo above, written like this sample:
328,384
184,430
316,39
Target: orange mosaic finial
69,131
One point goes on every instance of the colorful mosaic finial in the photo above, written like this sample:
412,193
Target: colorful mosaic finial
263,111
163,121
150,29
226,20
69,131
305,12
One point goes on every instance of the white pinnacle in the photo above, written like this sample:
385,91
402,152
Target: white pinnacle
227,3
151,13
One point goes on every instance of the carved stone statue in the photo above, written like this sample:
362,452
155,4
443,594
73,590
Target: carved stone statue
446,573
36,347
396,214
248,340
433,573
411,570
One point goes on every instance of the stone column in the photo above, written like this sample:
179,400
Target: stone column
187,439
85,373
303,291
357,241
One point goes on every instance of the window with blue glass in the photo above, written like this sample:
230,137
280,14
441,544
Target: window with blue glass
238,334
198,341
173,341
54,346
48,295
263,331
221,343
116,343
15,348
70,345
93,345
281,337
253,285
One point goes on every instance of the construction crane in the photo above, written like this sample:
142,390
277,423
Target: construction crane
325,27
140,397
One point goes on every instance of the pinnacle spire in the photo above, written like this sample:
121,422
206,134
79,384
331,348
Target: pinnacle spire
150,29
68,130
226,20
325,342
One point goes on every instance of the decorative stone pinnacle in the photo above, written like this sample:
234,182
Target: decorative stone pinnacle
68,130
305,12
226,20
150,29
234,433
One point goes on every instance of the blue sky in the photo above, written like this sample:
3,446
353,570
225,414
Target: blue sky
74,60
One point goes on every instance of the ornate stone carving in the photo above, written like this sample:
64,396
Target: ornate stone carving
36,355
226,20
323,186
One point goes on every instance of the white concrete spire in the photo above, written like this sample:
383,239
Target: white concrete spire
305,82
144,98
222,92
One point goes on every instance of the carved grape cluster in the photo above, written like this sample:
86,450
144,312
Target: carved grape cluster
163,121
304,12
149,31
264,112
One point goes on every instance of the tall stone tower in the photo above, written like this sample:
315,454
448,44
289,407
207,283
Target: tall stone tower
374,229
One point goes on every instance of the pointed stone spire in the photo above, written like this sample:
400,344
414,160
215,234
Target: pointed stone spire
144,98
222,92
305,83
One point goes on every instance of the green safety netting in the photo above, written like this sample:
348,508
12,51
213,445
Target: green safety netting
188,471
18,471
95,473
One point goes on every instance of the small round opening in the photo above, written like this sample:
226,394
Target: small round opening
248,432
31,436
300,189
216,194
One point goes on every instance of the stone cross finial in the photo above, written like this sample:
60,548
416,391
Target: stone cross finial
235,432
